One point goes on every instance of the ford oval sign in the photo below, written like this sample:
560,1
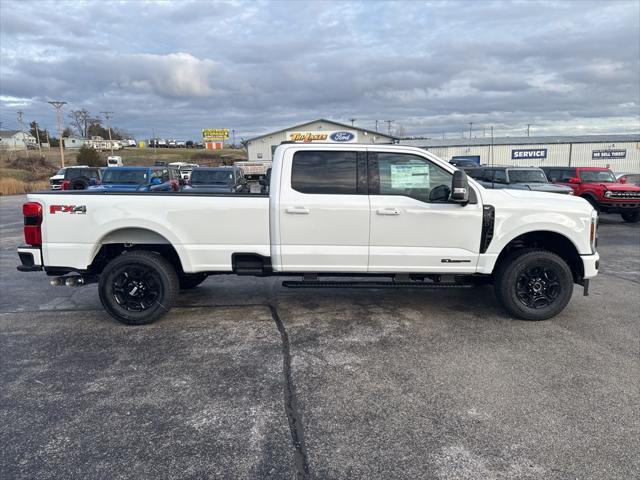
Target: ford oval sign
342,136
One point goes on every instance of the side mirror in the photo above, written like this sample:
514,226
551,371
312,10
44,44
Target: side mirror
460,187
574,180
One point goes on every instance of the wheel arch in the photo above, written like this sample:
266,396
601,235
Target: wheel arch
124,239
548,240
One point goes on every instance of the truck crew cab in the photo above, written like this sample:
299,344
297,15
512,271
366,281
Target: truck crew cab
391,215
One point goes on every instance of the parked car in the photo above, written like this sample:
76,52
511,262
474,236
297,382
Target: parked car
114,161
463,163
138,179
217,180
630,178
75,178
414,219
601,188
521,178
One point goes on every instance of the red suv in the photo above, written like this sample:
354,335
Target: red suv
600,188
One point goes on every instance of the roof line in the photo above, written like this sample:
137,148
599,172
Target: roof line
322,120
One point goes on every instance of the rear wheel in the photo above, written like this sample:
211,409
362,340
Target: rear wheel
189,281
533,284
630,217
138,287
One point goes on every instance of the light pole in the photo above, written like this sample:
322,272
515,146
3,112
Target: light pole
389,122
58,105
38,138
470,130
107,116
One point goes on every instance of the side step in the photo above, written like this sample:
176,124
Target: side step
372,284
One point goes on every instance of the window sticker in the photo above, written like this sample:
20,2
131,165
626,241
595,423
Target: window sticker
409,176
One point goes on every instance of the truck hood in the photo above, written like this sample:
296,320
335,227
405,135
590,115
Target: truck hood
547,187
619,187
536,200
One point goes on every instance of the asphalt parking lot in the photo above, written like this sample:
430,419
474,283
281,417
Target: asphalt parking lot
246,379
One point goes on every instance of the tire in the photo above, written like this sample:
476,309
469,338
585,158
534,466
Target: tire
533,284
630,217
79,184
189,281
593,202
151,275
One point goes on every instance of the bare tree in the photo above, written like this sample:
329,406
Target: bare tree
80,120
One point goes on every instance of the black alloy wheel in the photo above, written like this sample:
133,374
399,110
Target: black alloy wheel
533,284
138,287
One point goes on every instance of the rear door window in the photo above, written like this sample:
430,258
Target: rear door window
326,173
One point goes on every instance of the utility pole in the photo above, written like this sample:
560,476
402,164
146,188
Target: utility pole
528,127
48,139
38,138
107,116
353,120
233,136
377,125
389,122
58,105
24,136
470,129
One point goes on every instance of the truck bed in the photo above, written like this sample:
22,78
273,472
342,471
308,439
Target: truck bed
205,230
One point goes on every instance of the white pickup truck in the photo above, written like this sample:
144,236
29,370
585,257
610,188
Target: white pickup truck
369,216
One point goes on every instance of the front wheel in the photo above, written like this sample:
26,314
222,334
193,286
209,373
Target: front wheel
138,287
630,217
533,284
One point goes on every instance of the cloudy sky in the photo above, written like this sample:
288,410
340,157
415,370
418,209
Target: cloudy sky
566,67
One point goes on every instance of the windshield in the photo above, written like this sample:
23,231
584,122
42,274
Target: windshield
211,176
61,171
134,177
605,176
527,176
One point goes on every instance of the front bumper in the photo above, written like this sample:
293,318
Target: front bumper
30,258
619,207
591,263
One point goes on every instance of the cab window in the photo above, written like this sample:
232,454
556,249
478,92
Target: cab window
412,176
328,172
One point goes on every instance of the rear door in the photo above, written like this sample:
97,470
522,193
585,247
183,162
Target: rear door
413,228
323,210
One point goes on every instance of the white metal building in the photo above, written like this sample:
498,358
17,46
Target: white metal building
322,131
620,153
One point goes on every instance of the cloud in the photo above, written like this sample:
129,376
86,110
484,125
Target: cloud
179,67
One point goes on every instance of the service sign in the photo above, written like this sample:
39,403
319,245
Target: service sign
337,136
528,153
607,154
215,134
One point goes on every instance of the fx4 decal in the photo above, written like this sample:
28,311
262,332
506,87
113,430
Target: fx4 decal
81,209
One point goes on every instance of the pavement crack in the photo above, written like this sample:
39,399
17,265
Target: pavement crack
291,401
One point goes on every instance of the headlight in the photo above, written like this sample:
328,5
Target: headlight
607,194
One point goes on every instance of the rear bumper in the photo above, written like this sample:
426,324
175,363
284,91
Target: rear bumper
591,263
30,259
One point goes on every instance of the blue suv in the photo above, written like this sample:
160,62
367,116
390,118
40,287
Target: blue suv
138,179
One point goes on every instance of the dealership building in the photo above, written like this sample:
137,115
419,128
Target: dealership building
620,153
261,148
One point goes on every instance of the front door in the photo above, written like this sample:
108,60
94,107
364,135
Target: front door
414,228
323,211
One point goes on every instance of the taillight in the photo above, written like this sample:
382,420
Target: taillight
66,185
32,212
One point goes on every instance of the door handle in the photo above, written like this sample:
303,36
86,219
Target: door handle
388,211
298,210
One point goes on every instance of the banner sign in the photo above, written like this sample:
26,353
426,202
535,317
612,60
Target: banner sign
528,153
607,154
215,134
338,136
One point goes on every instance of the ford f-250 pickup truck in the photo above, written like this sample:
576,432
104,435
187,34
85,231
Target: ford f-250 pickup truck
389,215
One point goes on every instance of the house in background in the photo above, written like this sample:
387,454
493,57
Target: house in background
13,140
